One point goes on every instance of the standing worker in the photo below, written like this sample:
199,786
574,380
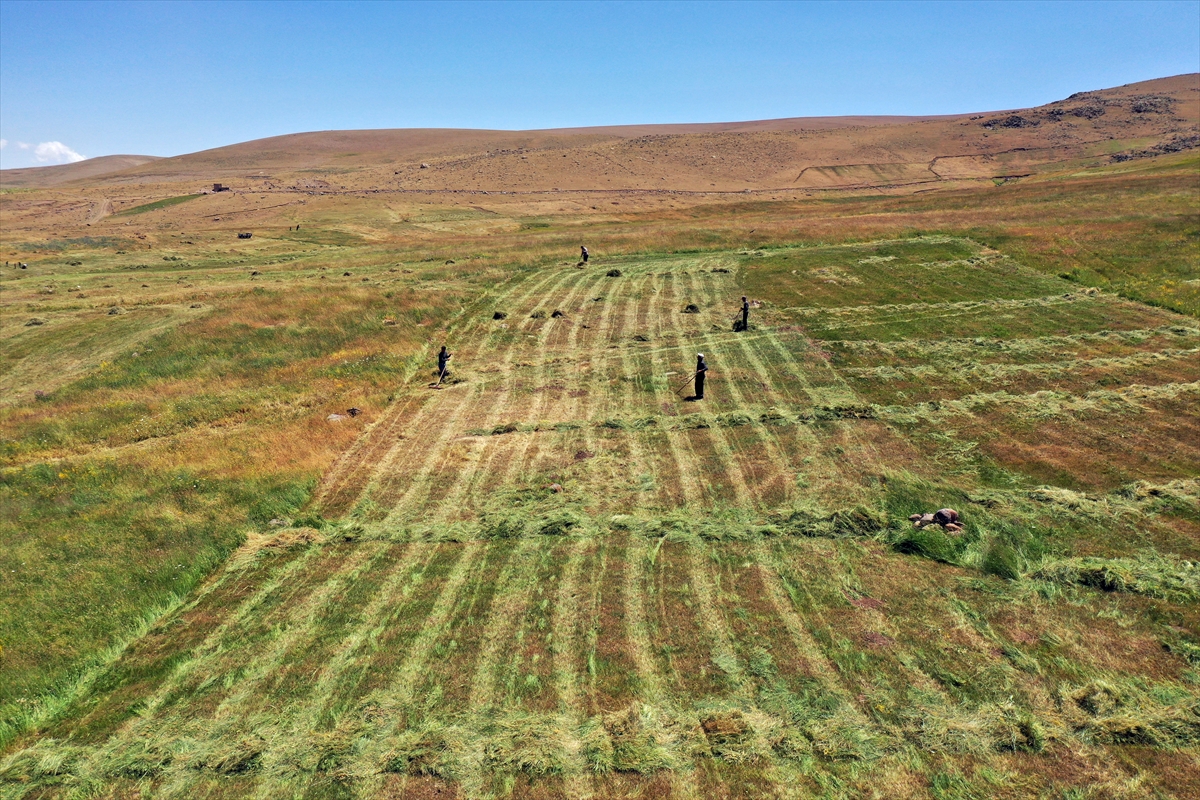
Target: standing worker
443,361
701,368
745,313
583,253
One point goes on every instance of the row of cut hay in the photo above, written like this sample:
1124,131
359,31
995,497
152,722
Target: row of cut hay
868,354
727,726
489,461
939,383
1015,319
518,460
446,408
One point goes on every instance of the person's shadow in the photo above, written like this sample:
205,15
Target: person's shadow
692,399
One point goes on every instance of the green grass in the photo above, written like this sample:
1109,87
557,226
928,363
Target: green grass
166,202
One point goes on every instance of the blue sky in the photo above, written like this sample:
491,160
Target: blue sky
96,78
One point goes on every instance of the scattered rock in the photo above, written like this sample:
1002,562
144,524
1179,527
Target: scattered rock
538,315
277,522
112,312
196,305
334,418
613,273
584,455
499,315
35,321
1152,104
345,274
1011,121
556,314
424,166
691,308
354,412
641,337
255,272
554,487
449,260
1089,111
722,269
389,321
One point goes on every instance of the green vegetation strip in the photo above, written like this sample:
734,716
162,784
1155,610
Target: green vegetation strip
157,204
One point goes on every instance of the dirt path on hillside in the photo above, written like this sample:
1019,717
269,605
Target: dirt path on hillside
101,210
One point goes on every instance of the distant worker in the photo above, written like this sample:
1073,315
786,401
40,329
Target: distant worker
583,254
745,313
443,362
701,368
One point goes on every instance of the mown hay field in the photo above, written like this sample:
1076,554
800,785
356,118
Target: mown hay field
554,576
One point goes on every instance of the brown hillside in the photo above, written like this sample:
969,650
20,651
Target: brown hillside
801,153
41,177
288,179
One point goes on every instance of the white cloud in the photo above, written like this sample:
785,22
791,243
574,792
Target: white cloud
23,145
56,152
3,143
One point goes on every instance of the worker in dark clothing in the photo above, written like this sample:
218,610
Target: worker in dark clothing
745,313
583,254
701,368
443,361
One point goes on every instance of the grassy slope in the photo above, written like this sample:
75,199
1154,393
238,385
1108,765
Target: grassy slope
730,591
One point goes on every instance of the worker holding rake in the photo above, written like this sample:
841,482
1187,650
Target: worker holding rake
443,361
744,323
698,376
